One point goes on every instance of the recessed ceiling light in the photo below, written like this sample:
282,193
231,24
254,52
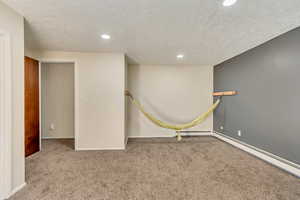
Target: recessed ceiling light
227,3
105,36
180,56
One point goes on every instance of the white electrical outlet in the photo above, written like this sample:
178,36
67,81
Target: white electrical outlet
221,127
52,127
239,133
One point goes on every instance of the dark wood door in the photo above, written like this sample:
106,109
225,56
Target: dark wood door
32,119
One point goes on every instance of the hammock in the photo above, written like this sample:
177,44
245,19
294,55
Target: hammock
177,128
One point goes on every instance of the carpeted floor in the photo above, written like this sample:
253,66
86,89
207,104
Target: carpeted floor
154,169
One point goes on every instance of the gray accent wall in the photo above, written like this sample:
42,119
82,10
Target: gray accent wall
267,107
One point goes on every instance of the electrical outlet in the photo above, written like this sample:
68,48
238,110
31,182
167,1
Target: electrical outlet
239,133
221,127
52,127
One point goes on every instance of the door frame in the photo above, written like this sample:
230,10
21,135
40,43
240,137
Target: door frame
6,118
76,107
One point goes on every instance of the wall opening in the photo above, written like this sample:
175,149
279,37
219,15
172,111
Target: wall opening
58,102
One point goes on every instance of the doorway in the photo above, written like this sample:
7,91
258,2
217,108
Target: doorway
49,103
57,101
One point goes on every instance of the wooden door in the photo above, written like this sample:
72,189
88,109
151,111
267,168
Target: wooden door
32,119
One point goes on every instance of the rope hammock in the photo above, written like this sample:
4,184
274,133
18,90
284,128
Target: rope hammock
177,128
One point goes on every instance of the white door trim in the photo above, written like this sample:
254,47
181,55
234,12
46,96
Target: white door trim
40,106
76,106
5,115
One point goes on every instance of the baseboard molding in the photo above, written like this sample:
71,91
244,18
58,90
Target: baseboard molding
17,189
192,133
101,149
56,138
277,161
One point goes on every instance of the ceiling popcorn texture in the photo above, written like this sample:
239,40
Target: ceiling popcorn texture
154,32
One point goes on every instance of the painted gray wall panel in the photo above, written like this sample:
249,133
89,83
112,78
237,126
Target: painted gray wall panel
267,108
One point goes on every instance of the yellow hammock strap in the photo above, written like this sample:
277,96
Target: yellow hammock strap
162,124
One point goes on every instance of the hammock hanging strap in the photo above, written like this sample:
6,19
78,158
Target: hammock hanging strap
177,128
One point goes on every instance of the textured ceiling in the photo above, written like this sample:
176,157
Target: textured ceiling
154,31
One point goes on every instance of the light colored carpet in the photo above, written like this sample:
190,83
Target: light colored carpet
154,169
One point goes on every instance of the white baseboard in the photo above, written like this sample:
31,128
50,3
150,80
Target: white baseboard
100,149
208,133
17,189
277,161
49,138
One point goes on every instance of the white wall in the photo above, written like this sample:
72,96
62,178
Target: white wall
99,97
175,94
13,23
57,89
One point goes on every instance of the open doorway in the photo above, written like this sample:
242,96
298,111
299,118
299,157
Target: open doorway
57,103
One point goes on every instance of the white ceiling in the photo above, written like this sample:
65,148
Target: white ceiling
154,31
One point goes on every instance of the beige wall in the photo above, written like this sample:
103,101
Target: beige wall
13,23
99,97
57,91
30,53
175,94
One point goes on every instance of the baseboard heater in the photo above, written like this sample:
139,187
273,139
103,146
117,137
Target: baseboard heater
276,161
183,134
195,131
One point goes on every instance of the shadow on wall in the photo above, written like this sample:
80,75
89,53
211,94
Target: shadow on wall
133,122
